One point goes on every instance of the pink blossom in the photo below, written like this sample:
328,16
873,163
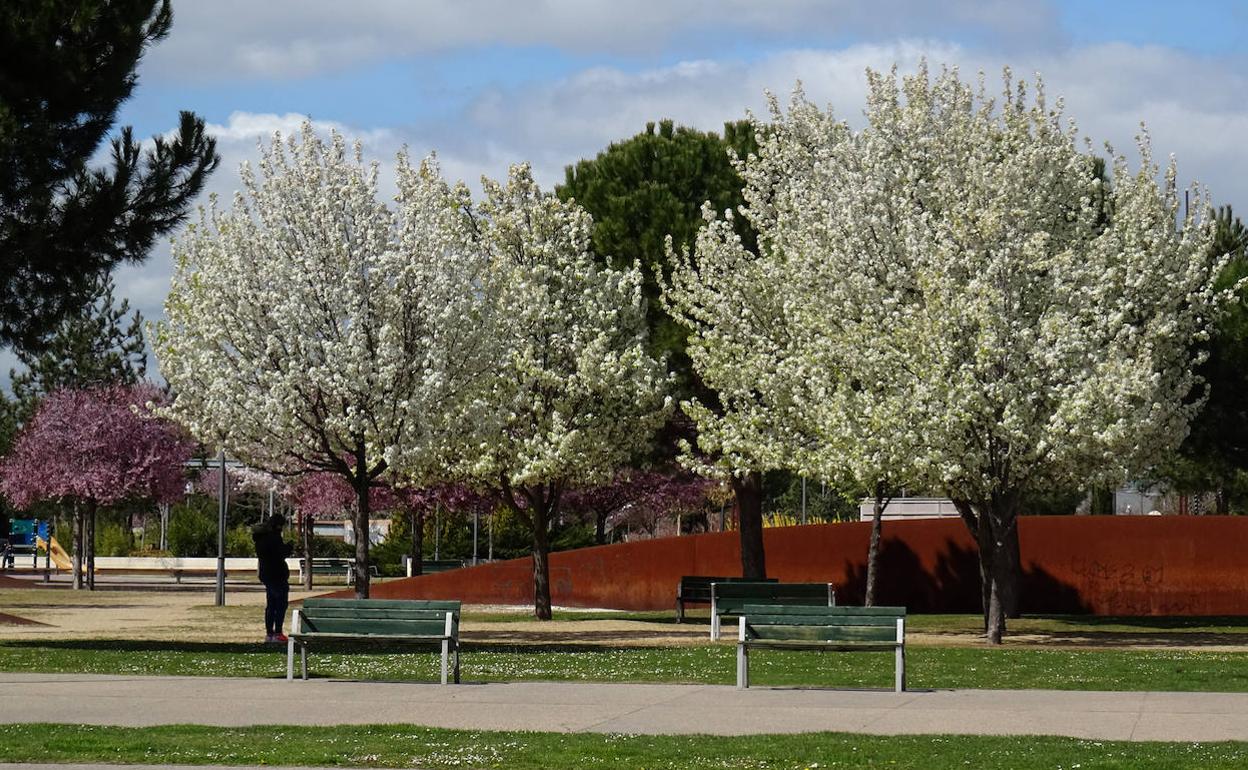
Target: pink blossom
98,444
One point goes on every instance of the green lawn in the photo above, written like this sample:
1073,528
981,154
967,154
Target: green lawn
408,746
1233,627
928,667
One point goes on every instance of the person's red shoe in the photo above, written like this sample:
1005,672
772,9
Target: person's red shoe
280,638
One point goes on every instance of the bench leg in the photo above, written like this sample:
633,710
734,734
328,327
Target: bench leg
714,625
680,611
900,684
446,651
303,660
457,663
743,667
290,659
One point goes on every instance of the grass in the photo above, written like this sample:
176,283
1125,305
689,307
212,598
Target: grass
408,746
927,667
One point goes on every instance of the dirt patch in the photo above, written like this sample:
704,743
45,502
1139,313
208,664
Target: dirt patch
13,620
12,582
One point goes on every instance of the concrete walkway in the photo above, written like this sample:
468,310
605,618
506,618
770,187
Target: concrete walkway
620,708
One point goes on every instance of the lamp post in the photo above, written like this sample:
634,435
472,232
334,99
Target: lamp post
222,507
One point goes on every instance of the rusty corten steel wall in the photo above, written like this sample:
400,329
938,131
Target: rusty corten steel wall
1106,565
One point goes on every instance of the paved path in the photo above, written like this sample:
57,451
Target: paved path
620,708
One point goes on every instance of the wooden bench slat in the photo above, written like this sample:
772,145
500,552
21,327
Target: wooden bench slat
377,614
369,627
820,633
885,612
398,604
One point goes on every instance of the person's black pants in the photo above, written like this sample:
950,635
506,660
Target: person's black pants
276,598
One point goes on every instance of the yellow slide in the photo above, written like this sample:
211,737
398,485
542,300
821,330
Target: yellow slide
59,557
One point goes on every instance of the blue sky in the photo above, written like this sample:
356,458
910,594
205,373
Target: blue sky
491,82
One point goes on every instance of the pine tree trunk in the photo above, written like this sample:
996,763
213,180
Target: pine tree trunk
873,547
361,531
748,490
90,538
541,560
79,546
418,541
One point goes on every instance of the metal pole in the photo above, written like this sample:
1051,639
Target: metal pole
223,503
474,537
803,499
489,531
437,530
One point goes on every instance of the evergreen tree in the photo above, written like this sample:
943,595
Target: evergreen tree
641,191
65,68
102,344
1215,454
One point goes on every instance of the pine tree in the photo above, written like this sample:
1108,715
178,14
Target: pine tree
102,344
65,68
641,191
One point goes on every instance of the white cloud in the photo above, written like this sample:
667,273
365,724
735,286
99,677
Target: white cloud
291,38
1196,108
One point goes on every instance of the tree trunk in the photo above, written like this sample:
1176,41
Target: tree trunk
977,522
418,541
600,528
748,490
90,538
305,533
541,560
79,546
361,530
999,540
1012,574
873,547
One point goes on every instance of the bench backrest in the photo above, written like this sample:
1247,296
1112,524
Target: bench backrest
391,617
697,588
824,624
729,598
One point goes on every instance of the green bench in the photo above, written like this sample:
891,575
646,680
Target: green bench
840,629
696,589
334,565
407,620
727,599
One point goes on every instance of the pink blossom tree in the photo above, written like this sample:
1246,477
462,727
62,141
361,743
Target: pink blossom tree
642,499
449,497
327,495
93,447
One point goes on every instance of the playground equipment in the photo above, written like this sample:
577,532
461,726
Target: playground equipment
21,540
58,555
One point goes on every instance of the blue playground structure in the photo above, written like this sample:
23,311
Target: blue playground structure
23,537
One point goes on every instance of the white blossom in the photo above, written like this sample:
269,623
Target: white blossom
953,291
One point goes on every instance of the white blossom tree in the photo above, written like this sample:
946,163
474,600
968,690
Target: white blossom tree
946,279
574,395
312,328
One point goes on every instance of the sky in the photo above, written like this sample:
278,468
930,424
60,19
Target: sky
487,83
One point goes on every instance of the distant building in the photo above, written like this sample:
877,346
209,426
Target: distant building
343,530
1130,500
904,508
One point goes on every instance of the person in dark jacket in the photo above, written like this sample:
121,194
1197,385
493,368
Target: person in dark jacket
271,553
